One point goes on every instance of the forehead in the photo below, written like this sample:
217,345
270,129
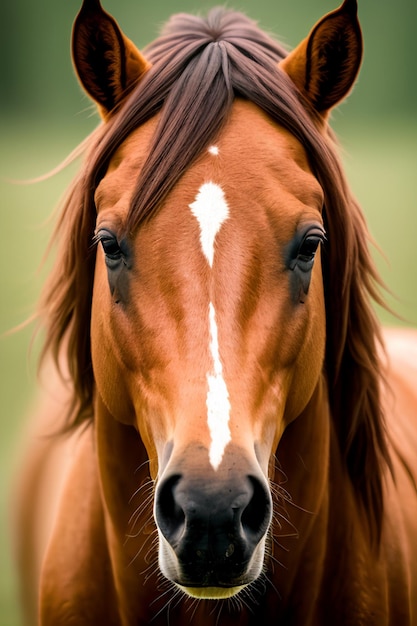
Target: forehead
252,158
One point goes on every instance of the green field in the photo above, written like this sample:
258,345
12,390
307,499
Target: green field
25,210
381,162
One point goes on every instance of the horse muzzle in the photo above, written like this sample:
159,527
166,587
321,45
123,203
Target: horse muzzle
212,527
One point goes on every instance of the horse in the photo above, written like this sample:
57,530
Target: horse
226,434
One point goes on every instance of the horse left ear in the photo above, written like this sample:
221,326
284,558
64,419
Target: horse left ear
108,64
324,66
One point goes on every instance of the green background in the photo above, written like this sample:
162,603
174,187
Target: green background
44,115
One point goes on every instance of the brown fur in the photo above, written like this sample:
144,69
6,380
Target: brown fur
235,59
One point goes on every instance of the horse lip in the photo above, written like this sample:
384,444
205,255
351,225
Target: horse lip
212,593
211,579
212,584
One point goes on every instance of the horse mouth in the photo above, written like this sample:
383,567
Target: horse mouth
213,583
207,580
211,593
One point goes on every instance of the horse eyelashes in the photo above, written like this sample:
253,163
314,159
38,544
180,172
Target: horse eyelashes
116,256
111,248
300,257
302,249
307,252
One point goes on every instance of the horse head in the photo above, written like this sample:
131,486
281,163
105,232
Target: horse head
210,200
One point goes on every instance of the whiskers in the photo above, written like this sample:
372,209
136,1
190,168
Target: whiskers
143,512
170,596
141,528
170,604
172,599
282,527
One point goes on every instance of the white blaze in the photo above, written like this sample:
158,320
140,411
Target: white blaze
218,405
211,210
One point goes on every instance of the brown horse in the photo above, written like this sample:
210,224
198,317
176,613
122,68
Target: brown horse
232,452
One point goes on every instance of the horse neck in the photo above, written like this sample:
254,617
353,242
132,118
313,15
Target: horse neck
126,494
325,519
302,470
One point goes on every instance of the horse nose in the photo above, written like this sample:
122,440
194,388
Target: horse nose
213,529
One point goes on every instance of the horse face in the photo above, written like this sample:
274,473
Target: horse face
208,336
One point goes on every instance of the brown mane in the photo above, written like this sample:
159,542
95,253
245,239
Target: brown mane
199,67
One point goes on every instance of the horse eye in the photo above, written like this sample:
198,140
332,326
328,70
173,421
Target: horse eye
111,248
308,249
302,250
303,256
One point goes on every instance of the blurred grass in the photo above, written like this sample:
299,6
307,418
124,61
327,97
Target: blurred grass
381,162
25,209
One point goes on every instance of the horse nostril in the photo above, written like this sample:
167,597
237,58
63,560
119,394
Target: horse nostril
172,508
213,529
256,516
169,514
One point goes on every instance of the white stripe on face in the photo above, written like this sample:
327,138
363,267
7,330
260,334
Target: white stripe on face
211,210
218,405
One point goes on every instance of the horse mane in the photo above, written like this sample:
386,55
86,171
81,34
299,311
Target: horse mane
199,66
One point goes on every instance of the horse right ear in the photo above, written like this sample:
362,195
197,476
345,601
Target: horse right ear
108,64
324,66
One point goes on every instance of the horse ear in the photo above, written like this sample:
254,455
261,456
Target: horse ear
324,66
108,64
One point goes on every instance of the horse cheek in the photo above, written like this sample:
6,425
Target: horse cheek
107,349
309,363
